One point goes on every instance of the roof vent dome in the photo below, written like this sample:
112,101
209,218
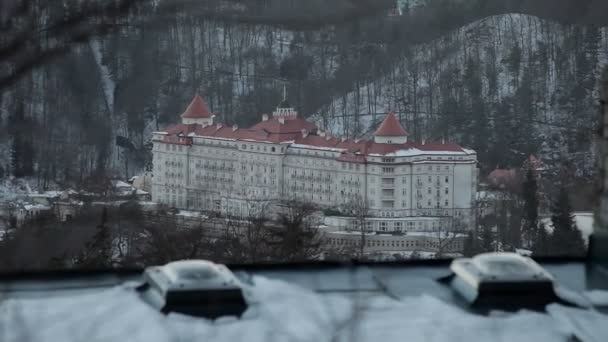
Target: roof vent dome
194,287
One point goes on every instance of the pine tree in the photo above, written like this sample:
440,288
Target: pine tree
98,251
541,242
530,197
487,239
470,246
566,238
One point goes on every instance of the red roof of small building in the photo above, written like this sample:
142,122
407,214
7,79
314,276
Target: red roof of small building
197,109
390,127
504,178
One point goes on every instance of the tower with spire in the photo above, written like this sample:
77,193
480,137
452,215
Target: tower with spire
198,113
390,131
284,110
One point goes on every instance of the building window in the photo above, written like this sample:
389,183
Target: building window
447,191
447,179
383,226
446,203
429,191
388,160
388,169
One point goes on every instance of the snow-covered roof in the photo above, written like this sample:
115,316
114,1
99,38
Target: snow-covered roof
190,213
417,309
36,207
120,184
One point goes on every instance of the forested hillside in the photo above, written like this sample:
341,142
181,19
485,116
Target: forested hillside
506,85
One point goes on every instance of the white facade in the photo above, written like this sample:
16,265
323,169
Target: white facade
231,170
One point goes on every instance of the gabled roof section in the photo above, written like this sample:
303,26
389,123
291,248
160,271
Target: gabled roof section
289,125
184,129
197,109
390,127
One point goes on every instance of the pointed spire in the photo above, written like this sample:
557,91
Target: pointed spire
284,92
198,108
284,103
390,127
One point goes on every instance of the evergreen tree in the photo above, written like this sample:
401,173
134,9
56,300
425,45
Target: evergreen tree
470,245
530,197
541,242
98,251
566,238
487,239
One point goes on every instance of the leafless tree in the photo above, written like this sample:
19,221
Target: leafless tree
246,236
164,240
447,238
295,236
358,209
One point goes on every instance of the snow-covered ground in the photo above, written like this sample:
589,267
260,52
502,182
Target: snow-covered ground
583,220
498,33
285,312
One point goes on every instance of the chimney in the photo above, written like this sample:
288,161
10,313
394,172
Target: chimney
304,133
423,141
281,120
219,125
264,117
443,141
327,137
321,133
357,140
343,139
235,127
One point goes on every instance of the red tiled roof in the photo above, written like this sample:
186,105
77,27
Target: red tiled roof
197,109
272,130
185,129
176,140
390,127
439,147
315,140
351,145
352,158
290,125
376,148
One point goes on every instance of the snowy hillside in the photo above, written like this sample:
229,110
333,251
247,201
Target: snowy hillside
506,52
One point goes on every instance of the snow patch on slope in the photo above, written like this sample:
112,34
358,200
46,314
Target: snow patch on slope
106,78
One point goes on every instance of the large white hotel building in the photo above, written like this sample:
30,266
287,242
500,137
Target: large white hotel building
408,186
